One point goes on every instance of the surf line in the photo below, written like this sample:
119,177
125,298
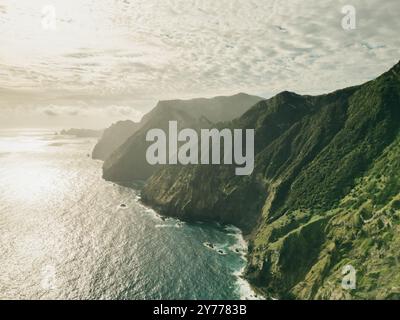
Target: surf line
191,146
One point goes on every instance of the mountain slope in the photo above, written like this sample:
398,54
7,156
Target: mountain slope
113,137
312,153
217,109
128,162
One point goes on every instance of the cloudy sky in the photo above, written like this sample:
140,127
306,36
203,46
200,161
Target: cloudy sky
99,61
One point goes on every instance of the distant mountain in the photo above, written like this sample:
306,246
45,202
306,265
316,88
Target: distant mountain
325,192
128,162
113,137
218,109
82,133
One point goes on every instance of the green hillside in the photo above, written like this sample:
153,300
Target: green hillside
324,192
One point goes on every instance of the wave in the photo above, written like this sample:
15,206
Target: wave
240,246
177,225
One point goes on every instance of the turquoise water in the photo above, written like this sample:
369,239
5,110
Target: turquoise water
64,234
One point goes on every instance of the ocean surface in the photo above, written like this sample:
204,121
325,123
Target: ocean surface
65,233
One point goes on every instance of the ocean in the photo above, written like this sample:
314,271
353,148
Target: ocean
65,233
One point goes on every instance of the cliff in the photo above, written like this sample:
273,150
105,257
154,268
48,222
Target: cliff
324,192
128,162
113,137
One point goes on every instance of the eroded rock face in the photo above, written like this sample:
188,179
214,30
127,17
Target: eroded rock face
324,192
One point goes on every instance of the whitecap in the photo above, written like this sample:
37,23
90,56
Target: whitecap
167,226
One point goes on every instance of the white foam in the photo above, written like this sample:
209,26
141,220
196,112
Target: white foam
240,245
245,290
176,225
166,226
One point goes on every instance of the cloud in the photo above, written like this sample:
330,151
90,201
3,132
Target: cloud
66,111
62,116
133,53
50,113
73,113
83,110
124,111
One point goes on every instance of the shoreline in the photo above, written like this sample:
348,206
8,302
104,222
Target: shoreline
245,289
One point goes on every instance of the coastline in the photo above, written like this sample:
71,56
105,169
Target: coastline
245,290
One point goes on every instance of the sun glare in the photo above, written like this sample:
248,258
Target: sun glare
29,178
32,182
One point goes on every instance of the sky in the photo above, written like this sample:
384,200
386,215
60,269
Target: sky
87,63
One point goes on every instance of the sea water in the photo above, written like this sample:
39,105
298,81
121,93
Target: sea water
65,233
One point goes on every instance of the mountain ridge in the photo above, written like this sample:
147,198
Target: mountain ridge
128,161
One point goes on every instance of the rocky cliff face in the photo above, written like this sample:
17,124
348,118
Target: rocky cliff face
128,162
114,137
324,192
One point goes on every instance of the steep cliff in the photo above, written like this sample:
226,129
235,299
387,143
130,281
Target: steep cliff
324,192
113,137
